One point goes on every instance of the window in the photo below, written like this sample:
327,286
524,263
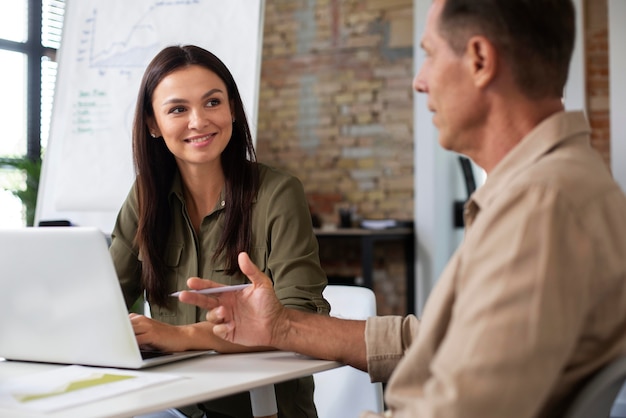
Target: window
30,34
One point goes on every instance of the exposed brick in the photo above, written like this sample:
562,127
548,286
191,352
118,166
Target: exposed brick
597,77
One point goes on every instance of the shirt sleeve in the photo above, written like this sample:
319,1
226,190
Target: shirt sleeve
521,300
124,254
293,257
386,340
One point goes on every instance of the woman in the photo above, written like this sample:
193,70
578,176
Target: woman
198,200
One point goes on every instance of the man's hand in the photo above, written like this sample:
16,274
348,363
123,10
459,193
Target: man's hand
248,317
255,317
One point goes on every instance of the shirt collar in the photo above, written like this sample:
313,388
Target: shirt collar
550,133
176,191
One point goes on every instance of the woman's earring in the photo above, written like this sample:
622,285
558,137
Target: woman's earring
152,134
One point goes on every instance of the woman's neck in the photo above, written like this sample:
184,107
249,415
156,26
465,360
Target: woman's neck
202,188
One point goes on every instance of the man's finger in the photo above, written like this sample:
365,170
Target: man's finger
250,269
215,316
223,331
197,283
200,300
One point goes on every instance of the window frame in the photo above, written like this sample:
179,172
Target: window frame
34,51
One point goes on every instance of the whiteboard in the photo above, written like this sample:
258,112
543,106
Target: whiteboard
87,167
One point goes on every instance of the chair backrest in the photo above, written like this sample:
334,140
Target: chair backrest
346,392
350,302
597,397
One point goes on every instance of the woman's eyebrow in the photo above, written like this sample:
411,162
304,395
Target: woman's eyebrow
175,100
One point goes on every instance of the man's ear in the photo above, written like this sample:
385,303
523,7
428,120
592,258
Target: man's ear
483,60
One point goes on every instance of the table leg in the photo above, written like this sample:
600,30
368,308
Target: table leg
409,258
367,261
263,400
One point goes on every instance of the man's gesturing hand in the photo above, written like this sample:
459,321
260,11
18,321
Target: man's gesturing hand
249,316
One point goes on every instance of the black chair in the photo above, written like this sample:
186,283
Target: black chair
470,187
597,397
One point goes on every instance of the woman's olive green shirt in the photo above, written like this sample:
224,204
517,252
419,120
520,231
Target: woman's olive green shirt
283,247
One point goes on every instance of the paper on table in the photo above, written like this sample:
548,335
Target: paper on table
216,289
69,386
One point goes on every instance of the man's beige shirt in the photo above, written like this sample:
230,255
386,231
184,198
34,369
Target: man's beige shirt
532,302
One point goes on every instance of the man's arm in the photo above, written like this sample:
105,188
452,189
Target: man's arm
153,334
254,316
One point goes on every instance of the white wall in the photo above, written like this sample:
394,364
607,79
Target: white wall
438,184
617,72
575,92
438,181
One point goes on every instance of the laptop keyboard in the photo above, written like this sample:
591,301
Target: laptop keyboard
146,354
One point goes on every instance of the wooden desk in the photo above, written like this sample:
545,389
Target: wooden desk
207,377
368,238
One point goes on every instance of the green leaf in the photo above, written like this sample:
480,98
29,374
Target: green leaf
28,196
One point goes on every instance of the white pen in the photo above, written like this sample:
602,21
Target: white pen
215,289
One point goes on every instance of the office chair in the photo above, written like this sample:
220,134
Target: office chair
470,187
346,392
597,397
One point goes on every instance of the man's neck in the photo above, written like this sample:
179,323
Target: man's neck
509,124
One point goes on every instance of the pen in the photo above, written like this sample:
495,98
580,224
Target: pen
215,289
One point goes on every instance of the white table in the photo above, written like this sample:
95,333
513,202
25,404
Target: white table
207,377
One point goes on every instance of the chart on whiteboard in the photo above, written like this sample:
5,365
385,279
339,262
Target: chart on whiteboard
106,46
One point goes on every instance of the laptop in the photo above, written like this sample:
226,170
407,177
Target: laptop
61,302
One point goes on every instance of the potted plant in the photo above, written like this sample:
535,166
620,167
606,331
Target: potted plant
28,195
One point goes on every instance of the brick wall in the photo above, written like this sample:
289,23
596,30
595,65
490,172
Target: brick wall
335,105
336,110
597,80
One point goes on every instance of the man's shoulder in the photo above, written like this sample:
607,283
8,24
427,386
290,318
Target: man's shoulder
576,172
557,160
570,181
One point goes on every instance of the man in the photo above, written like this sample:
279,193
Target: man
534,300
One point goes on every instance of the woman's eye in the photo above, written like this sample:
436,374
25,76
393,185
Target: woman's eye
213,102
177,109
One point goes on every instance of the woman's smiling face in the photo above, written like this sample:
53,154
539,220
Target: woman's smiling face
193,114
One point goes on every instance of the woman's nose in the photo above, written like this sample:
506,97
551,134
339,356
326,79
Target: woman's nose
197,119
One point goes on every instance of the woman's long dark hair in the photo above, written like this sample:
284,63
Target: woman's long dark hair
155,168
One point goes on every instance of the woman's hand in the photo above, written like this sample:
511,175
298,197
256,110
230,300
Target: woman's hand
155,335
